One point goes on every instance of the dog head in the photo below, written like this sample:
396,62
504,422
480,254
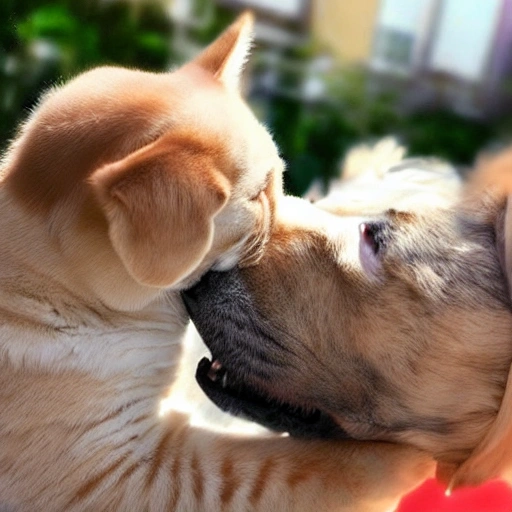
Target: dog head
397,326
143,180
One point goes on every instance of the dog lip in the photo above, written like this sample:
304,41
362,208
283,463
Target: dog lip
237,398
239,378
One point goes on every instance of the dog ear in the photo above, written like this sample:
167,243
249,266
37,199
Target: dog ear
160,203
492,458
226,56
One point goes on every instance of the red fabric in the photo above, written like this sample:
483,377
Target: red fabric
491,497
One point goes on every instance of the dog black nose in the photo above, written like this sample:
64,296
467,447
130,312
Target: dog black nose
214,292
201,294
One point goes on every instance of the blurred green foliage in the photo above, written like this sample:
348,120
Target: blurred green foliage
446,135
311,138
43,43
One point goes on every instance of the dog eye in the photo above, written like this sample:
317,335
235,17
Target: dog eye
372,242
263,188
256,196
372,235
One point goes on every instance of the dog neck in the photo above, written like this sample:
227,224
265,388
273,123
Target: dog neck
44,296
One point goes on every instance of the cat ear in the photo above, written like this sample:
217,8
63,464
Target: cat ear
160,203
226,56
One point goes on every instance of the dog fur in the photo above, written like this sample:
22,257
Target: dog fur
122,188
392,315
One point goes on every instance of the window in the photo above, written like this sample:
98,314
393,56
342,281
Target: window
402,26
464,38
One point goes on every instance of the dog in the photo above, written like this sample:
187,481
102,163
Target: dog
121,189
389,313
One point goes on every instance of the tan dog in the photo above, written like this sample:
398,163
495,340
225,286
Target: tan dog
122,188
397,325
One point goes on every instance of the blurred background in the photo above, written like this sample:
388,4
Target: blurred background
325,74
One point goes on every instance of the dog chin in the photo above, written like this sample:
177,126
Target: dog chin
232,395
